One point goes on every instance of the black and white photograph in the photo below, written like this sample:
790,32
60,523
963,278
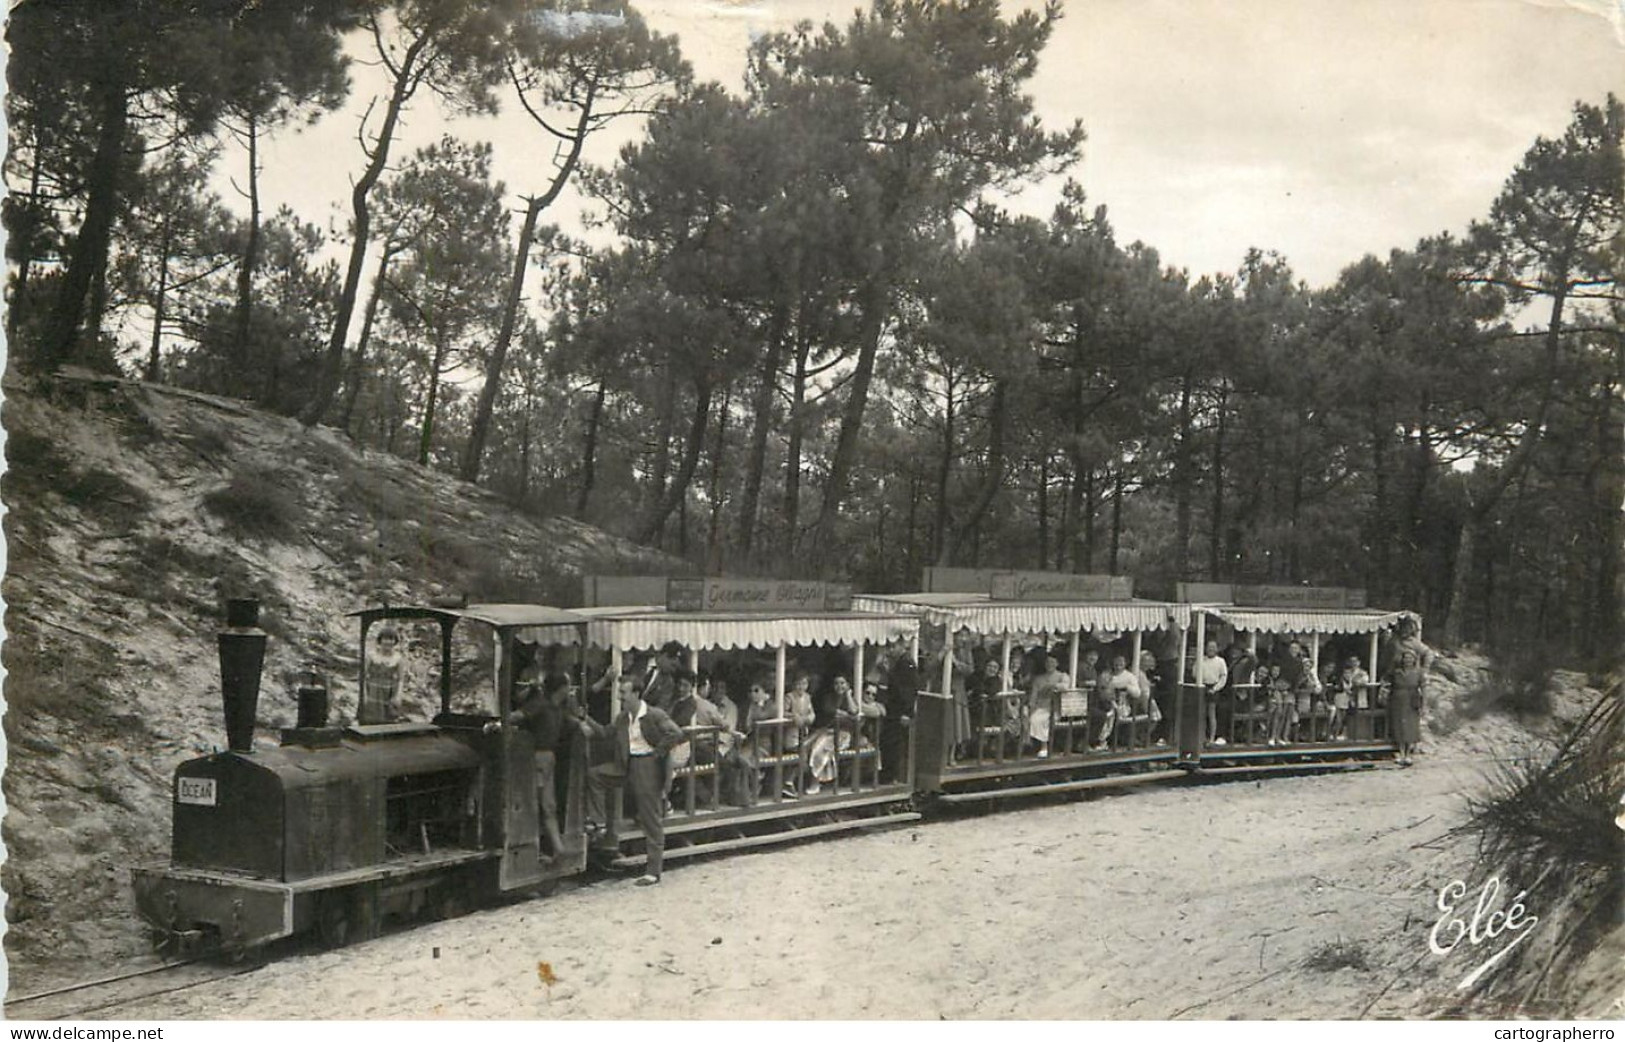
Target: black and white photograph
810,511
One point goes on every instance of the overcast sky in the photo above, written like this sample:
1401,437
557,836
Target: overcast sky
1323,130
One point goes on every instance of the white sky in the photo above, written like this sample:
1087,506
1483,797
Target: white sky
1323,130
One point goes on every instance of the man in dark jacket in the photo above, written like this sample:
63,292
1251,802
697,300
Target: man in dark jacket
544,709
902,687
642,736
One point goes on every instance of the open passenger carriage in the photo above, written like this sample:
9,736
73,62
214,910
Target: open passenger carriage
1305,684
1079,731
770,776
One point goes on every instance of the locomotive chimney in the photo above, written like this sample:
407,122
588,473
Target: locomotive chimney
242,653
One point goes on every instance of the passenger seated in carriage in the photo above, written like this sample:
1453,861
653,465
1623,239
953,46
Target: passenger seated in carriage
1350,690
995,721
1090,678
1112,699
761,734
1280,702
1143,713
688,709
839,731
1042,695
803,712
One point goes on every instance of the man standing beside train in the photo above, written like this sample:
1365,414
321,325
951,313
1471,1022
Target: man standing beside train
643,736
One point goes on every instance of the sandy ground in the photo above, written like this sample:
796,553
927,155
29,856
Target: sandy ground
1194,901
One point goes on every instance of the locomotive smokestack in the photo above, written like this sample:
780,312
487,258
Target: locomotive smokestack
242,653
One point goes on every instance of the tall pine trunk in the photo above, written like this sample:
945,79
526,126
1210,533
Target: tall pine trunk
875,310
88,261
1513,469
1215,535
1184,480
480,429
713,537
1091,506
31,227
993,480
153,360
791,514
358,359
426,437
406,81
945,468
677,492
1117,516
761,421
1043,511
244,312
595,418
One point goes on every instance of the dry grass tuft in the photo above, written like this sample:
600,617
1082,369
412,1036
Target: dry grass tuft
1554,822
1338,955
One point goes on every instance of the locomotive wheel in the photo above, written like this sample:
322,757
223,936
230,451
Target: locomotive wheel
366,918
163,942
333,920
450,903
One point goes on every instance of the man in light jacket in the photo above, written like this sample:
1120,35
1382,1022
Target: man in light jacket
643,736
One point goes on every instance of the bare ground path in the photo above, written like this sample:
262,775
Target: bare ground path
1192,901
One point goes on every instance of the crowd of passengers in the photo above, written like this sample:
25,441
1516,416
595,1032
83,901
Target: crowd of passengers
1274,697
734,721
1279,697
828,731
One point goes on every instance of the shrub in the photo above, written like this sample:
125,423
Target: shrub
93,487
254,505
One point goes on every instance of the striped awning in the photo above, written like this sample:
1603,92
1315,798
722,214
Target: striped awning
641,628
1306,620
979,613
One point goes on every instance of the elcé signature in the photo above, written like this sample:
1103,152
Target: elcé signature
1488,922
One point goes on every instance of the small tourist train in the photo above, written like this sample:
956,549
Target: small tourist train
805,710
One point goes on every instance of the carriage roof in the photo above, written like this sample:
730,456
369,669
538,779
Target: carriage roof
980,613
1306,620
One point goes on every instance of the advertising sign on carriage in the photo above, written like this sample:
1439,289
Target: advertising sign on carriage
1060,586
1329,597
756,595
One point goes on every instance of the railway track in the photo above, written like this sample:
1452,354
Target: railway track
102,994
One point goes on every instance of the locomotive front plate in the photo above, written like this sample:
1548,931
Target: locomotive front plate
199,792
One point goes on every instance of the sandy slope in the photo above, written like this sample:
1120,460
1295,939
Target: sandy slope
1190,901
113,590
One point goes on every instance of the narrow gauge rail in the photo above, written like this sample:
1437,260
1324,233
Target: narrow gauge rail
120,989
336,828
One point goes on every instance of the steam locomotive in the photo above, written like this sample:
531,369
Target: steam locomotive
337,828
